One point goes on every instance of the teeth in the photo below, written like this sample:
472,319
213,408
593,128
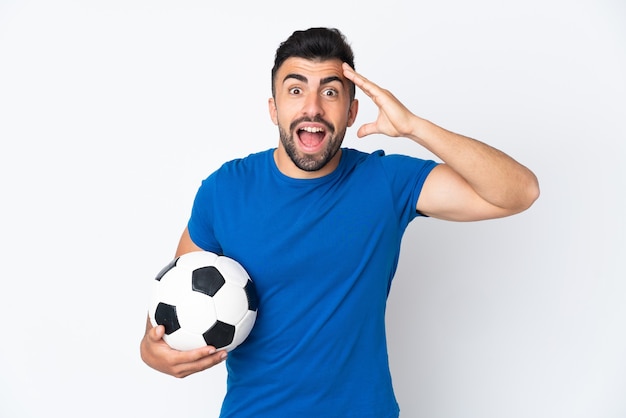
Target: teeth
312,130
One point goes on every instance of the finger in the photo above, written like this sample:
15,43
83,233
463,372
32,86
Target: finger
352,75
366,129
200,355
194,361
211,360
157,333
361,82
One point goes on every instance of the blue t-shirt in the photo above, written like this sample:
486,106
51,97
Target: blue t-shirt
322,253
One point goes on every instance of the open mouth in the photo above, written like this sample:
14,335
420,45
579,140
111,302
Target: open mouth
311,136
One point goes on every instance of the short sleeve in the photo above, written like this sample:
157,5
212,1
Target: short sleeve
406,176
200,224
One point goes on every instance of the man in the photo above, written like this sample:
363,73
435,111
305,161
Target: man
318,227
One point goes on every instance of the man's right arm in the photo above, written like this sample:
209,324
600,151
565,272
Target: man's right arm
157,354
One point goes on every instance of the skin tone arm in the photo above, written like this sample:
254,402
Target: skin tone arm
475,182
157,354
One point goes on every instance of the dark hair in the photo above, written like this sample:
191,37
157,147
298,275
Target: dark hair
314,44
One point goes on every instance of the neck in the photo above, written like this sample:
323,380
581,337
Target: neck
290,169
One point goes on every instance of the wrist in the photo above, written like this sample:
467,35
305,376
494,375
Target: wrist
421,130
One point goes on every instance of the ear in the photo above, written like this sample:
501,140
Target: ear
352,112
271,104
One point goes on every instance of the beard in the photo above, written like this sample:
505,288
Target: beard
311,162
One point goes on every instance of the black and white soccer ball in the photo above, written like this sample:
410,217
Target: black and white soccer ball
204,299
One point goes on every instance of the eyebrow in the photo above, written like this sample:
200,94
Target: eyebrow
323,81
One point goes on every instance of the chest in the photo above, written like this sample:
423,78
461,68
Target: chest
279,232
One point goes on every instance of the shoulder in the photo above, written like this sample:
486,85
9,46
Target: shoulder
244,166
357,156
237,171
251,160
387,161
352,159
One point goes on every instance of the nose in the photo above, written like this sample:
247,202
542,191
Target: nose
312,106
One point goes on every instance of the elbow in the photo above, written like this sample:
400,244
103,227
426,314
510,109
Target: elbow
520,195
529,194
535,192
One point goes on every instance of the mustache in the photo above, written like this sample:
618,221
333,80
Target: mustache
316,119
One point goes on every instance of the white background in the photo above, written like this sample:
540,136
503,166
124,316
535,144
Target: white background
112,112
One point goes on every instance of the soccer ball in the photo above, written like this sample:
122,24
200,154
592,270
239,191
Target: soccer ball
203,299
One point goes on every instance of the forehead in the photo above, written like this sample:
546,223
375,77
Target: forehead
312,70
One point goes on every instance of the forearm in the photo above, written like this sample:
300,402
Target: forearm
487,175
494,176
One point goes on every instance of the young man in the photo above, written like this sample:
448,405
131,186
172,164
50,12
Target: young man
318,227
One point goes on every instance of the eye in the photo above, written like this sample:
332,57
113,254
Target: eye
329,93
295,90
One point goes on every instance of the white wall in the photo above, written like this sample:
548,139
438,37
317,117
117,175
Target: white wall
111,112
